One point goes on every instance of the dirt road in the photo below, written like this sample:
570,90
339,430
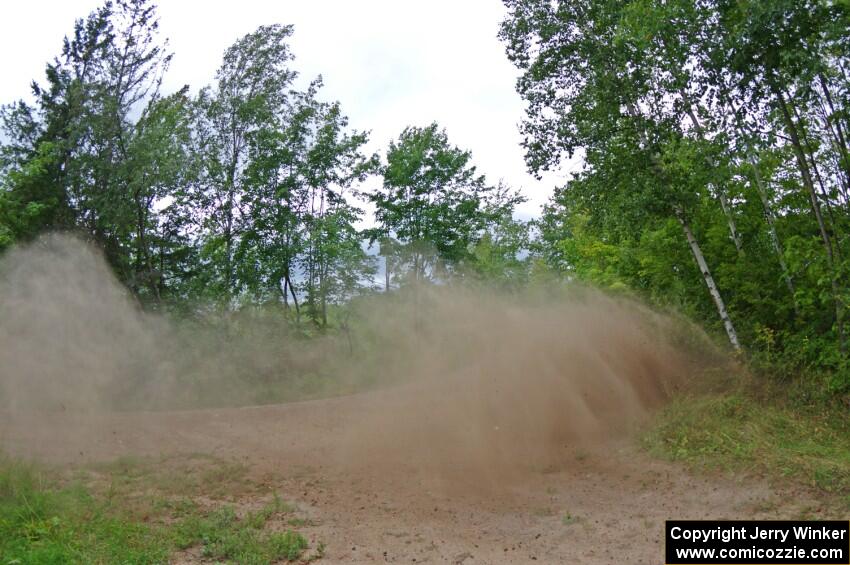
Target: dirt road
376,491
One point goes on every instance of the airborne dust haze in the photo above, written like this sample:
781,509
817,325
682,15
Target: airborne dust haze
477,377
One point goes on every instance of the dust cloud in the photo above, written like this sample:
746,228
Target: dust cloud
73,338
458,379
500,387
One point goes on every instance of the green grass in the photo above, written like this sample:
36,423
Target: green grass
225,536
128,512
771,430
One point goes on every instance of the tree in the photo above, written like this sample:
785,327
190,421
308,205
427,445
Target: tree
723,118
497,256
244,194
251,95
66,164
589,86
433,202
156,170
301,208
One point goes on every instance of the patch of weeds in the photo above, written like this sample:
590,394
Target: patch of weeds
320,552
175,508
126,468
193,476
44,522
223,535
299,522
125,512
225,478
738,430
568,519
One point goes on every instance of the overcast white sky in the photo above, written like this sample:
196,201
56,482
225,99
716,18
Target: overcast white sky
391,63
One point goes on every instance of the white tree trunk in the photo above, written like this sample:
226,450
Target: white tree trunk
724,202
774,235
709,282
730,220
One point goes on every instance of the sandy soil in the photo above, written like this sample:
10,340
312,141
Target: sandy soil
382,501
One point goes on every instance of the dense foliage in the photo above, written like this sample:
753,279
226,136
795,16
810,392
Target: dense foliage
248,192
434,210
716,162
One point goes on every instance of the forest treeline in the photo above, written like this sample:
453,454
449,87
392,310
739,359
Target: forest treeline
247,192
715,178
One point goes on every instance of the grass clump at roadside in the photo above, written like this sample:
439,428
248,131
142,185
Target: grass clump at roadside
226,536
41,522
783,431
123,516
